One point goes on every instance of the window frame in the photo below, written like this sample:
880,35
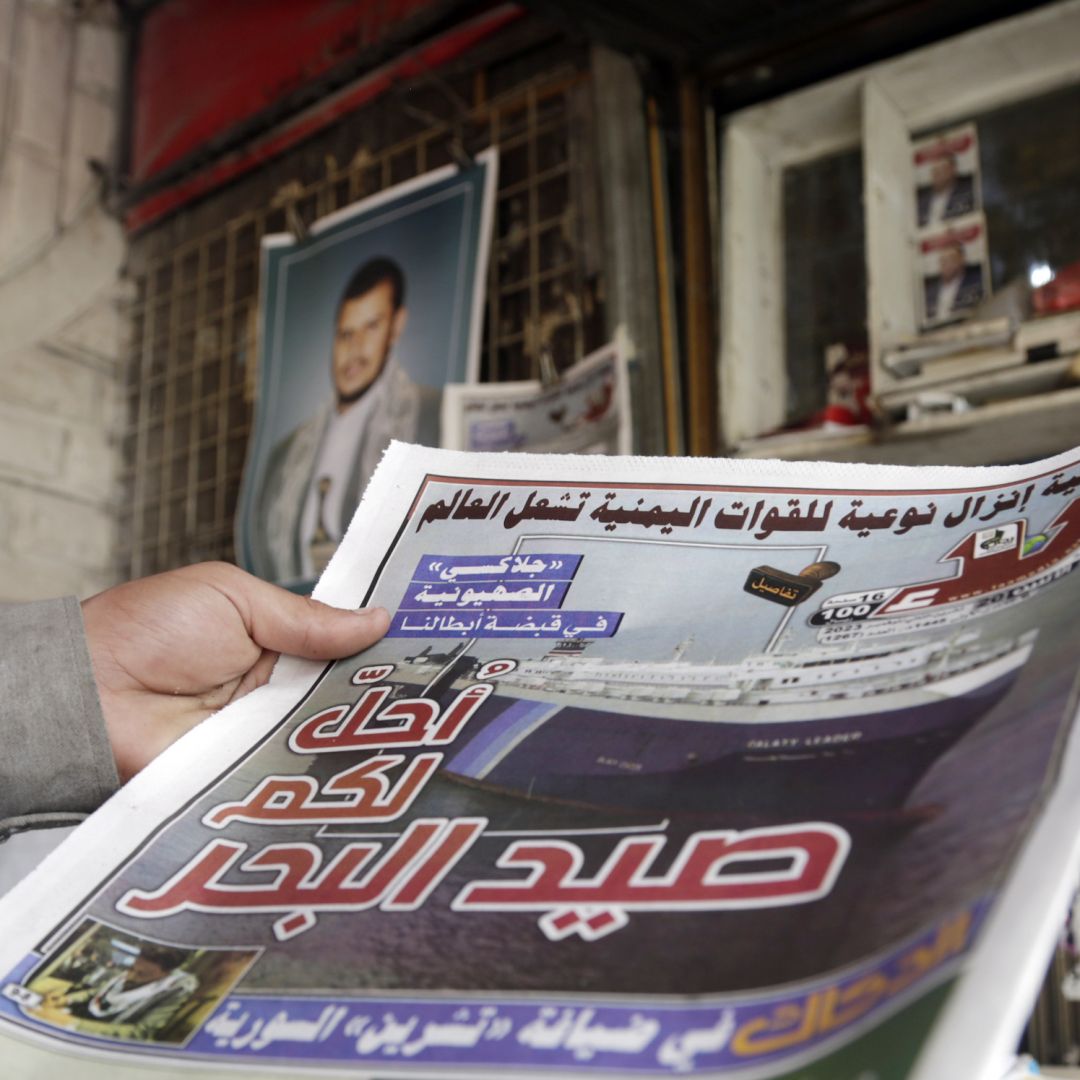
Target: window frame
880,108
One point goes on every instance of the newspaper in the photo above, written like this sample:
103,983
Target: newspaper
666,767
587,411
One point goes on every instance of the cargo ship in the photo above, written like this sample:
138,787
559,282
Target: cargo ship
815,731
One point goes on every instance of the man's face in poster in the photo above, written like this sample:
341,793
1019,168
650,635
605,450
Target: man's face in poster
951,262
943,173
367,327
144,970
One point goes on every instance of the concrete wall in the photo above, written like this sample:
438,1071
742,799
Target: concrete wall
61,298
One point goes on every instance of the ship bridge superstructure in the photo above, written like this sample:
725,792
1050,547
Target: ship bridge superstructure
811,674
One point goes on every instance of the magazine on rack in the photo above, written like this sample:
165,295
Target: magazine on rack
586,411
666,767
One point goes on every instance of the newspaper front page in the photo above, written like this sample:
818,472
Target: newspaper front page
666,767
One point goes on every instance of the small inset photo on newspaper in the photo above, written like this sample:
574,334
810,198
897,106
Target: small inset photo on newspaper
954,270
110,983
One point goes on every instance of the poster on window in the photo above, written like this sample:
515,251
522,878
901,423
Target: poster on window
954,270
361,324
947,180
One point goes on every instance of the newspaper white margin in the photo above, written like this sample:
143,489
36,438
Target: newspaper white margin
1009,958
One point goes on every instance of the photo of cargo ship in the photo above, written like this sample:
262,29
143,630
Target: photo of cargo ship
846,729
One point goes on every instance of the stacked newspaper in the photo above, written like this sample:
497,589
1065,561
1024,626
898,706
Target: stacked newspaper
710,768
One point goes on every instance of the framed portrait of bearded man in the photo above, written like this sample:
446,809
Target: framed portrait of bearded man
361,324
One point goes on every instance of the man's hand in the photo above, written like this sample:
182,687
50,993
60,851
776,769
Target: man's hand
170,650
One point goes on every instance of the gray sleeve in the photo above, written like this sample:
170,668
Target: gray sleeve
55,760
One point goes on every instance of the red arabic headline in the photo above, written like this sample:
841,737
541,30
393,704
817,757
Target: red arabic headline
401,872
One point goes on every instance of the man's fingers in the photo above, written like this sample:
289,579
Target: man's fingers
283,622
303,627
258,675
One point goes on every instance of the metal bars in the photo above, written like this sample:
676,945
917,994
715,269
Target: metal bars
191,377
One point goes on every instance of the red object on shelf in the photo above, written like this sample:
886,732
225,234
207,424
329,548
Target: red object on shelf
1060,294
847,368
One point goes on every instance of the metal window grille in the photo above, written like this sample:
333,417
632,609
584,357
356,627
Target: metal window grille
192,372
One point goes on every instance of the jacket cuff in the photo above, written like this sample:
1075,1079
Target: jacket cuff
57,757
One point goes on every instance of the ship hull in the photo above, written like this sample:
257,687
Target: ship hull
866,761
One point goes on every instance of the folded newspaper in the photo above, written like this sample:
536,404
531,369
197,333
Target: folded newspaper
666,767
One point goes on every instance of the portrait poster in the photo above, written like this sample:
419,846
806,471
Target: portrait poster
362,322
948,183
587,411
954,270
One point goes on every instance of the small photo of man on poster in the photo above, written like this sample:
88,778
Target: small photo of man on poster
362,323
947,176
955,272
